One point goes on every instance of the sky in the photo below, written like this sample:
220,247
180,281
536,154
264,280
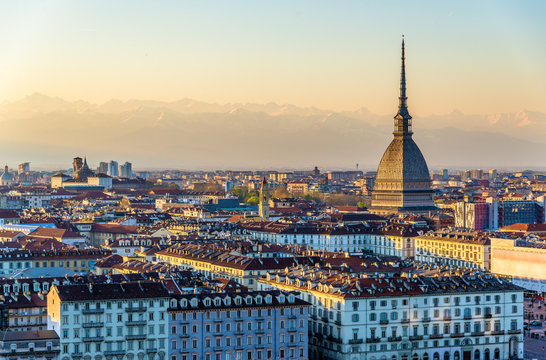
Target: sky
473,56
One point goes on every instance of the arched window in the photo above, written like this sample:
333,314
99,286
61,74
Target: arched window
446,355
393,357
456,355
425,356
486,355
415,357
477,354
497,353
436,356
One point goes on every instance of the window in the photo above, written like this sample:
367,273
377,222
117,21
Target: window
355,317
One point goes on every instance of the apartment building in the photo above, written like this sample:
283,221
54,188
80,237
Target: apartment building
110,319
469,250
317,236
238,326
75,260
216,263
36,345
420,318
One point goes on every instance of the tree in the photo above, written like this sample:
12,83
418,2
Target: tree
281,193
253,200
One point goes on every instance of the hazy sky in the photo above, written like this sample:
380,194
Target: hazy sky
474,56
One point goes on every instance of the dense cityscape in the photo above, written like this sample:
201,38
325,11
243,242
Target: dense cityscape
399,263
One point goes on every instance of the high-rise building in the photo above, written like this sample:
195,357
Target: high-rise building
126,170
23,168
103,168
403,180
476,174
494,214
445,175
113,170
493,175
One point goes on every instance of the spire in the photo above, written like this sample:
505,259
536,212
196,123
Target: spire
403,98
402,124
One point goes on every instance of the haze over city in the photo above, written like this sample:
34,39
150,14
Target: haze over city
473,67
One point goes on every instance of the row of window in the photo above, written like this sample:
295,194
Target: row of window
292,354
226,341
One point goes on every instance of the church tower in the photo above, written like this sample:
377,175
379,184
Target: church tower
402,184
263,207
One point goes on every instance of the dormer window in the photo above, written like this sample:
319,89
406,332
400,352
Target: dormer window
184,303
207,302
173,303
238,300
281,298
193,302
227,301
217,302
291,298
268,299
248,300
258,299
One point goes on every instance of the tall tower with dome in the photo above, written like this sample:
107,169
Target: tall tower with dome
402,183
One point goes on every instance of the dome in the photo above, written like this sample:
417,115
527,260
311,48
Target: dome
403,161
6,178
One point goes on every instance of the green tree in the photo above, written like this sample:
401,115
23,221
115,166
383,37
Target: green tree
253,200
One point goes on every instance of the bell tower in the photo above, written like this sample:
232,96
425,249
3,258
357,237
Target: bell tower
263,206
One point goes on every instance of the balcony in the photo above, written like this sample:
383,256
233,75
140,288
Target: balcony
334,339
500,332
92,311
136,309
426,319
92,324
395,338
488,316
356,341
383,321
115,352
447,318
517,331
372,340
337,322
467,317
151,350
292,329
457,335
324,319
436,336
135,323
416,337
76,354
93,339
292,316
405,321
136,337
313,317
477,333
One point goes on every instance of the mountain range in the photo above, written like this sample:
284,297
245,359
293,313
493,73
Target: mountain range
190,134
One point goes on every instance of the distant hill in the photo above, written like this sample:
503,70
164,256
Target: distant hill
194,134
